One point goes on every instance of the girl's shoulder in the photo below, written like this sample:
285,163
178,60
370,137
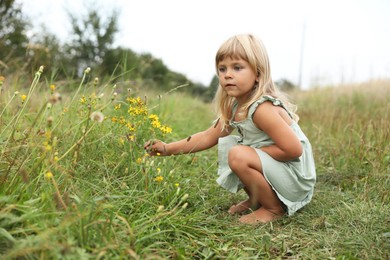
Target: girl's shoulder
269,100
261,100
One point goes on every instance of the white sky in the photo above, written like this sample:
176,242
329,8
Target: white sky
345,40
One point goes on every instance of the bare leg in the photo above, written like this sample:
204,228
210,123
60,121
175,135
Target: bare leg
244,161
250,203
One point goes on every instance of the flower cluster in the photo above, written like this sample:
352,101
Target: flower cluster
137,119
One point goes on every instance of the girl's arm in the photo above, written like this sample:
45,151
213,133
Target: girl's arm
275,122
194,143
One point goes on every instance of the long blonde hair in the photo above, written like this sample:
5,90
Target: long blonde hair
253,51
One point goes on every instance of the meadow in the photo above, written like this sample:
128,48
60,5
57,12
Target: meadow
77,184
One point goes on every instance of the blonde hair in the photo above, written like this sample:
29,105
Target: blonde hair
253,51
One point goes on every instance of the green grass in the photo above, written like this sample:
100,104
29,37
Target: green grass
107,200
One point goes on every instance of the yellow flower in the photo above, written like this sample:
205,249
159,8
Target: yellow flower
159,178
177,184
165,129
139,160
83,100
153,117
158,170
52,88
117,107
48,175
24,97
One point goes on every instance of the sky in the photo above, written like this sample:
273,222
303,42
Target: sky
312,42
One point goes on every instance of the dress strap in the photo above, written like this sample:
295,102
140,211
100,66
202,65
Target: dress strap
275,102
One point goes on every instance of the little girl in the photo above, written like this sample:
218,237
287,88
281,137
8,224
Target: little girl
271,159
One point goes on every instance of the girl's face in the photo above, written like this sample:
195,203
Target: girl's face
237,78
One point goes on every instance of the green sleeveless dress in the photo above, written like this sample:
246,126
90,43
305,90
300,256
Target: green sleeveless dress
293,181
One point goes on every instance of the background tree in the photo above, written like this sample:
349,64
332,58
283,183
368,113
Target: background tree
91,39
212,88
285,85
13,38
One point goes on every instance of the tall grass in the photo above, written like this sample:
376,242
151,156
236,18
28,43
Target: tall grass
76,187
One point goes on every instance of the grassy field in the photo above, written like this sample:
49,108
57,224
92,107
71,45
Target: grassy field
77,186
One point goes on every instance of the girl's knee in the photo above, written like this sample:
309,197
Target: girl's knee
237,156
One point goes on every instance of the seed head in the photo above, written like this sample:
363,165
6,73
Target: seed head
97,116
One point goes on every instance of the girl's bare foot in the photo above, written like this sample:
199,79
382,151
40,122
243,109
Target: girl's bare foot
261,215
240,207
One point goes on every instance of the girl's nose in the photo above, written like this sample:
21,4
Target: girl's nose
228,74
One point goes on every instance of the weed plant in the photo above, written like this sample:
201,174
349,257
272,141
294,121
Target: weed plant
77,184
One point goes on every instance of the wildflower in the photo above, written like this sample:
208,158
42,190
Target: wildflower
96,81
16,93
97,116
52,88
1,81
40,71
156,124
117,107
114,95
159,178
158,170
48,176
166,129
83,100
124,186
55,98
177,185
153,117
48,147
184,198
49,121
139,160
24,97
87,70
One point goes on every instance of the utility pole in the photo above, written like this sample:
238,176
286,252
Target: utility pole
301,55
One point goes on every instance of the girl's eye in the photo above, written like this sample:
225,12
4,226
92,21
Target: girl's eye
221,69
237,68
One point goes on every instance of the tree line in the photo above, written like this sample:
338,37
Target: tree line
90,44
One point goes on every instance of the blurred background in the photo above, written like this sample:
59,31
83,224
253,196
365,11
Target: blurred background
310,43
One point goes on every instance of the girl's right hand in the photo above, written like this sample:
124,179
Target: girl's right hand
155,147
